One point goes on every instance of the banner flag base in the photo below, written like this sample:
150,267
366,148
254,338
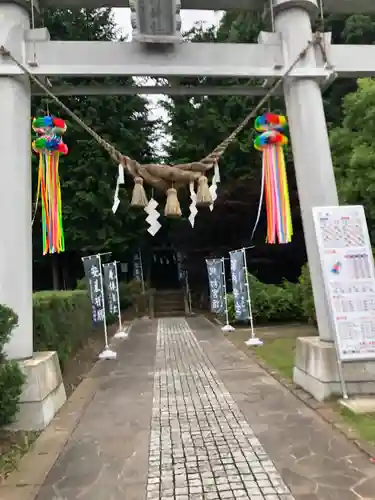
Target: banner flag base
228,328
121,335
108,354
253,341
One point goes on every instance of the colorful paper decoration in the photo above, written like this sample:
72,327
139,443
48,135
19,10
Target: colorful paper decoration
274,179
49,146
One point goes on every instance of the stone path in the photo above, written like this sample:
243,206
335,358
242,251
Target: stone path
221,428
201,445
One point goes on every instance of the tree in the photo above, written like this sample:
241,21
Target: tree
353,150
88,175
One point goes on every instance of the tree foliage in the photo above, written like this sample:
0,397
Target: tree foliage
353,150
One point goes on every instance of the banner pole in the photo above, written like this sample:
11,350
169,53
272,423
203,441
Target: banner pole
107,353
253,340
121,334
188,291
142,278
227,327
96,255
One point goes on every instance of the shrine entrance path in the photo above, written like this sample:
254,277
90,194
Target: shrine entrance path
182,414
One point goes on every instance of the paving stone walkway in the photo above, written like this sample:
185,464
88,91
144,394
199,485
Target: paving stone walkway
201,445
221,428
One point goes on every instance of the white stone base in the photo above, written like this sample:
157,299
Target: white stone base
315,370
43,394
360,405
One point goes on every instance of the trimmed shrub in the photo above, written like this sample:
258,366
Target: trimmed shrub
62,321
129,292
81,284
272,303
11,376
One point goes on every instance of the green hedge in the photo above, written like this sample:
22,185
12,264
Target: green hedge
127,291
11,376
62,321
272,303
284,303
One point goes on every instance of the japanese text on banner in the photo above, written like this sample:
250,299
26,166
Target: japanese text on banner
240,290
93,275
137,266
216,285
111,287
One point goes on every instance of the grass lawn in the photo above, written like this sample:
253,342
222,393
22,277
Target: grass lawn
13,445
278,354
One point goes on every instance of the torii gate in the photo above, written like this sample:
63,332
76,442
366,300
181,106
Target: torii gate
146,56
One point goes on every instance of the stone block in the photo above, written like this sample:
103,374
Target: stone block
315,370
43,394
359,405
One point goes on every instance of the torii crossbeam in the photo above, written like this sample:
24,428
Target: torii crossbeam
265,60
262,60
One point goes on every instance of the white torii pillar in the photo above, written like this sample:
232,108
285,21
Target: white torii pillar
44,391
15,186
315,368
310,144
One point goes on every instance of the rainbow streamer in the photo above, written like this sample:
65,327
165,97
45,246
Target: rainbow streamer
274,179
49,145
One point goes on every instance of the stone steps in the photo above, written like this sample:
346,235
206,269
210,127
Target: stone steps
169,303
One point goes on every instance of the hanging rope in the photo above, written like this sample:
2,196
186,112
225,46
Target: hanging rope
219,150
159,175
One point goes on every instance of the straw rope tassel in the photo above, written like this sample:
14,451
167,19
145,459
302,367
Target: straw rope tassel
204,198
172,205
139,198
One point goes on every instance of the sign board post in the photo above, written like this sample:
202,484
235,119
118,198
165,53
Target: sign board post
94,275
348,272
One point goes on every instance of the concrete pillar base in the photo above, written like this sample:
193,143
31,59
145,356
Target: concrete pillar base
315,370
43,394
360,405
